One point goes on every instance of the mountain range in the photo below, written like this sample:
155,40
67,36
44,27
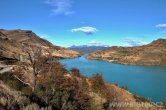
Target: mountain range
87,48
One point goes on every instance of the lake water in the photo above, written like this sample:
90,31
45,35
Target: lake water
147,81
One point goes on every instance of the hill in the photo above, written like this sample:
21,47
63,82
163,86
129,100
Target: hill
151,54
14,42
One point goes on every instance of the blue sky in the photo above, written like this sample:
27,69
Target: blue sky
92,22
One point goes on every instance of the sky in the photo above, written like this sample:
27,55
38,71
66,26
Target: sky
88,22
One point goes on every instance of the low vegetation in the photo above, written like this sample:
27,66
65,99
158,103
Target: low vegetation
141,99
50,86
44,84
163,104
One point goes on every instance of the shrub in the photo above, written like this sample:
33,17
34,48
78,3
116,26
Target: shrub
124,87
163,104
84,84
141,99
98,86
63,93
23,101
97,82
11,81
2,107
34,98
75,72
32,107
47,108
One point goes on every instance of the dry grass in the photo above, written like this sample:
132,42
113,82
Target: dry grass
122,95
9,96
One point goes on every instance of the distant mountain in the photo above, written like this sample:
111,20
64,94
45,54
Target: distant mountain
87,48
150,54
13,41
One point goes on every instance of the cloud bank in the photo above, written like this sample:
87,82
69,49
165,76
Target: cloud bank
161,25
129,42
60,7
86,30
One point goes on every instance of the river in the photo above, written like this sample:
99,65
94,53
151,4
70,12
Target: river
146,81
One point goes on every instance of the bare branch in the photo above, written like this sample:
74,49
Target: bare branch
22,81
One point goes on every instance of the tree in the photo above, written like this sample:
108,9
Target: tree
37,61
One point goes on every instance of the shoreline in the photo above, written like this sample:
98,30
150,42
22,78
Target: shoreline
132,64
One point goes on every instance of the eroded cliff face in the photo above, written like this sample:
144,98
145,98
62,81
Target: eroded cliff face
151,54
13,43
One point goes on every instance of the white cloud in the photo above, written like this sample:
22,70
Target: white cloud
86,30
97,43
161,25
129,42
93,42
44,36
60,7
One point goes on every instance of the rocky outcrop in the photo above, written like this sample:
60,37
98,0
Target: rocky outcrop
151,54
12,43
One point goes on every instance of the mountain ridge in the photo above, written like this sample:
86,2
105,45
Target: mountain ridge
13,43
83,49
150,54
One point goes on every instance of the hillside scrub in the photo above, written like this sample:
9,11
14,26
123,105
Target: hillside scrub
56,88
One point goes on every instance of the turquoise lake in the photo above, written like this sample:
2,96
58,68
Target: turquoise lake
146,81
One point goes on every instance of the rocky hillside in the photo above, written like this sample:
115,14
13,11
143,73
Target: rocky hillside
151,54
13,43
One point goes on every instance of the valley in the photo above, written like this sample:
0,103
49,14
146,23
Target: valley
35,73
